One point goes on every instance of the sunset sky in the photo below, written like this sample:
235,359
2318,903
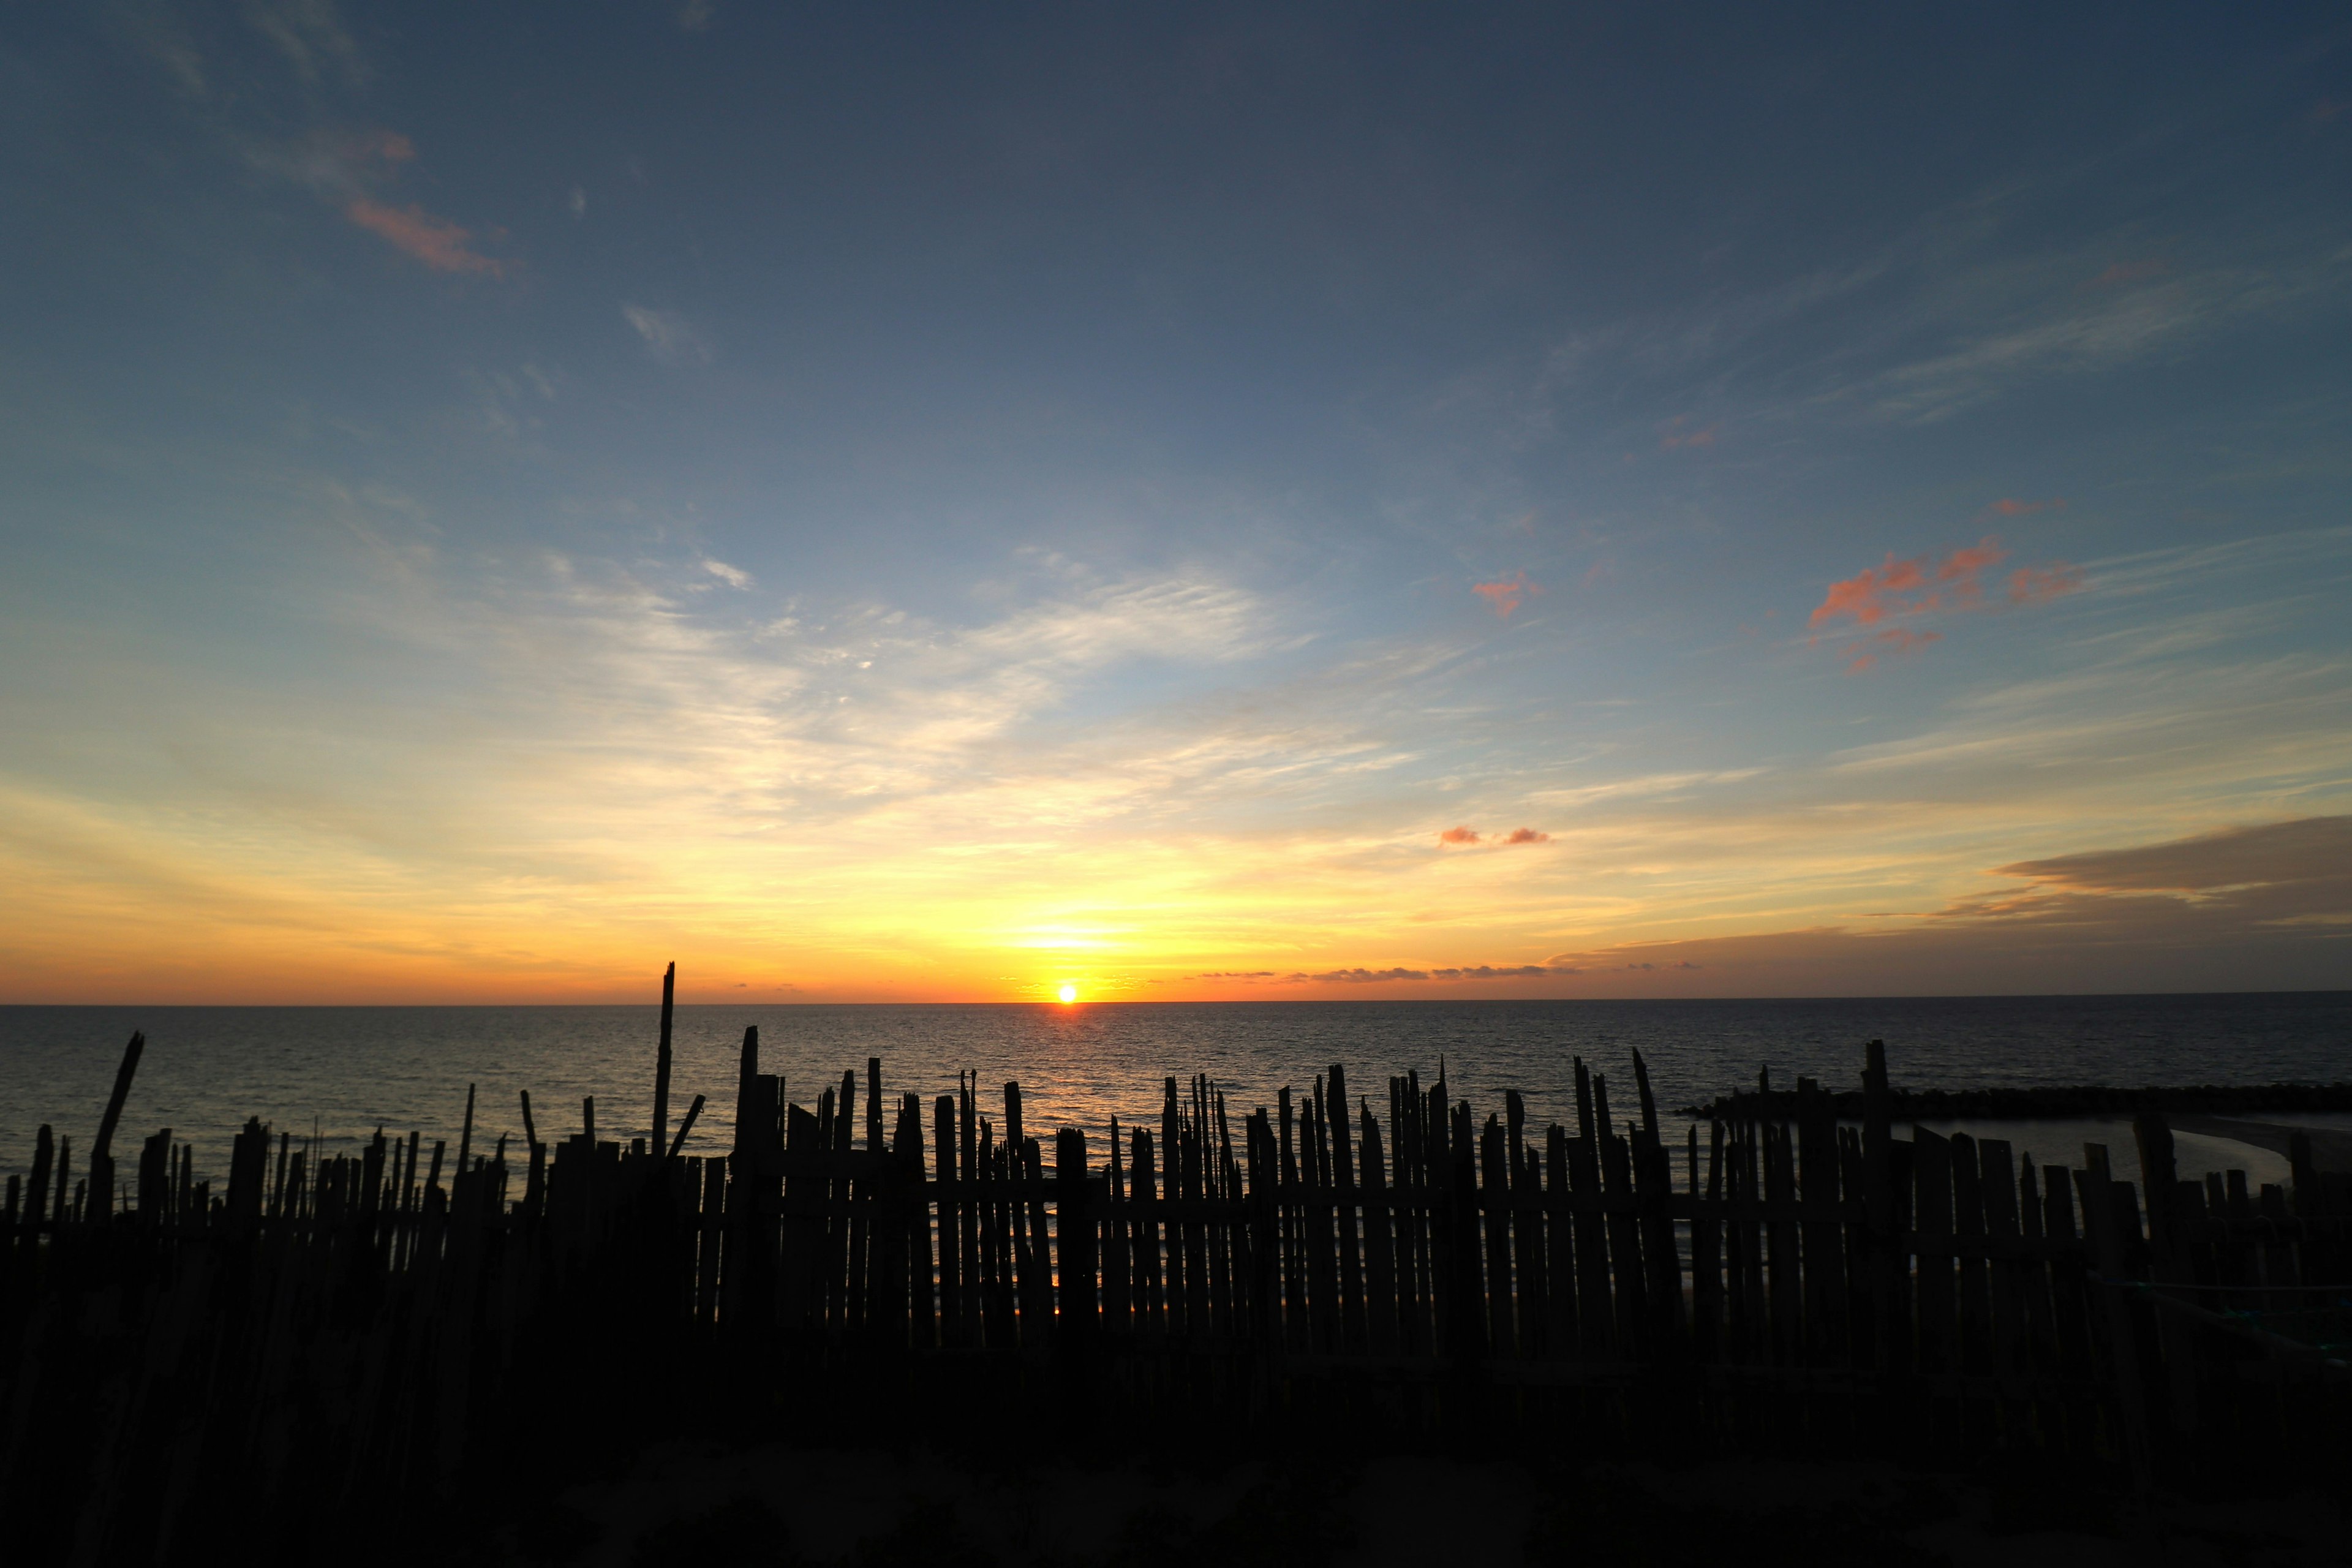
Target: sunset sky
883,503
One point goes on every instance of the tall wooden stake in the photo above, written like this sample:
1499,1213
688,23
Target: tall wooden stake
661,1065
102,1154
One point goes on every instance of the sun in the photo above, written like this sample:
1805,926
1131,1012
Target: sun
1069,992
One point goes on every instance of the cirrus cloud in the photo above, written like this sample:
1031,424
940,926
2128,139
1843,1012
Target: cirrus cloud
440,244
669,336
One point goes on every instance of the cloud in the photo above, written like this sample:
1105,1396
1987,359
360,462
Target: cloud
1868,595
2278,854
668,335
1507,595
1875,593
733,577
1528,836
1674,435
2267,906
2037,585
352,170
1901,589
1458,836
2005,507
1897,640
578,202
309,34
2129,272
1359,976
436,241
1363,976
694,16
1233,975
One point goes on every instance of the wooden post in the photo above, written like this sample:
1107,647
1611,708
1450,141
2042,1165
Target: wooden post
951,1284
1466,1333
101,1153
465,1136
1884,1251
1706,1254
1938,1318
1351,1271
1495,1200
2010,1280
37,1199
2167,1264
1975,1347
534,1190
686,1127
2107,1248
1380,1252
661,1065
747,1067
1074,1240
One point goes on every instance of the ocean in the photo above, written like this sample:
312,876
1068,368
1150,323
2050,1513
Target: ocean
339,1073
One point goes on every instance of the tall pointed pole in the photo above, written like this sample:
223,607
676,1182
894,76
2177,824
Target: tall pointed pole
102,1154
660,1140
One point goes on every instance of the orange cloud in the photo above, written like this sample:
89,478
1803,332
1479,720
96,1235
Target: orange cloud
1868,595
1528,836
1508,594
1675,437
1875,593
436,242
2129,272
1458,836
2008,507
2038,585
1863,655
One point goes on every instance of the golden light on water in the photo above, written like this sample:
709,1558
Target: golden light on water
1069,994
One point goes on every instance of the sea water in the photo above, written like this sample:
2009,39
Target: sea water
338,1074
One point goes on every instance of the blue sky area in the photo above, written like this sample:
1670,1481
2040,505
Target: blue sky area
884,501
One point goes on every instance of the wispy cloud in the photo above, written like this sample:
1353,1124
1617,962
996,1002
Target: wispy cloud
2037,585
1863,656
733,577
354,171
669,336
311,35
1505,595
440,244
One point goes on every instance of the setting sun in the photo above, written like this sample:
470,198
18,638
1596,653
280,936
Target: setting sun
1069,992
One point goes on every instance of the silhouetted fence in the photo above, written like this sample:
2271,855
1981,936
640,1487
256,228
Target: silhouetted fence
376,1325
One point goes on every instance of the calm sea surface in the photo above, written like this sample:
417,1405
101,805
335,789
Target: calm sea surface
348,1071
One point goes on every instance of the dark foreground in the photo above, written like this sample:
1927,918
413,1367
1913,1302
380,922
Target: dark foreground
688,1505
1314,1313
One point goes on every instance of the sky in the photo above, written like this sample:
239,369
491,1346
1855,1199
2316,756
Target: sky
1186,503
